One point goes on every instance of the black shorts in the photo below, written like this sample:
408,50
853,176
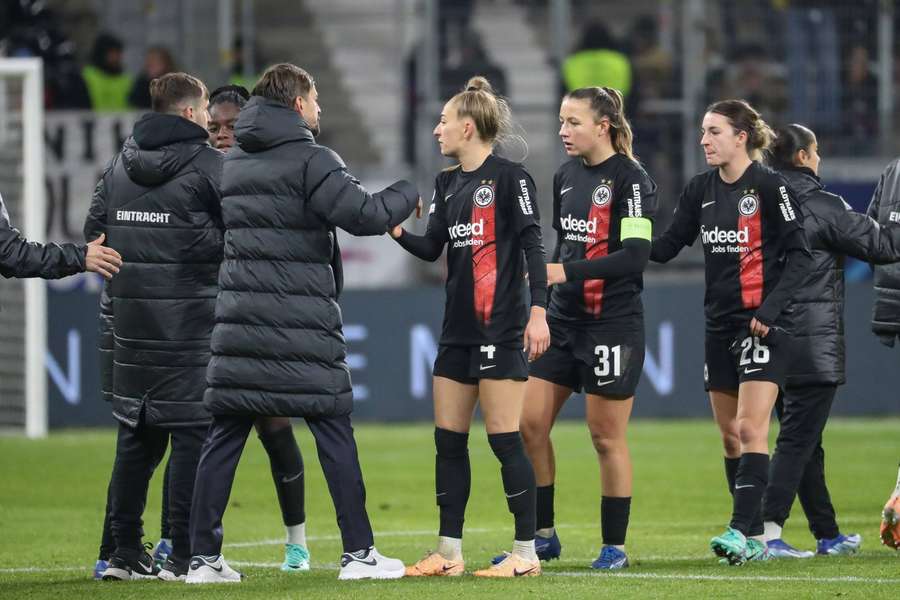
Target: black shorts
597,360
735,357
468,364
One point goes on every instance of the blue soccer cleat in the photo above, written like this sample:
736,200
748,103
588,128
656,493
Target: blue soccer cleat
162,551
546,548
296,558
781,549
841,545
99,568
731,546
610,559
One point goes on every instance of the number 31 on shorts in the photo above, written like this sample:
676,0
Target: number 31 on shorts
608,359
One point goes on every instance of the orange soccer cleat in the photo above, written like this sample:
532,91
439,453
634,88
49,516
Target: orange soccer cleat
512,566
890,523
435,565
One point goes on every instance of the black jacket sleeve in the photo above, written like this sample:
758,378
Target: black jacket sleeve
859,236
785,211
523,195
338,198
629,260
21,258
95,223
682,232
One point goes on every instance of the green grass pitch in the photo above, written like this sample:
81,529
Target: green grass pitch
52,496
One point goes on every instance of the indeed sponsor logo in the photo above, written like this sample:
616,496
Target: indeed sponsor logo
574,226
467,234
724,236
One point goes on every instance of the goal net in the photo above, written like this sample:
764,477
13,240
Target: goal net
23,313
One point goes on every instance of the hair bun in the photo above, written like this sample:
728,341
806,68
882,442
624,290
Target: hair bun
479,83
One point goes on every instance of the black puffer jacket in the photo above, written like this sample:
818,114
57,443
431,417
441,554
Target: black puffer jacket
833,230
885,208
278,346
21,258
159,204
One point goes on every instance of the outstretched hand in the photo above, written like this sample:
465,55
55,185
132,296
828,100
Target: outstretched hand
100,259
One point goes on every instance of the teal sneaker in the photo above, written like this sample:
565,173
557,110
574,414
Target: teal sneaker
731,545
296,558
756,550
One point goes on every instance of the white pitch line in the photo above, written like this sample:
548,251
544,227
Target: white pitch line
767,578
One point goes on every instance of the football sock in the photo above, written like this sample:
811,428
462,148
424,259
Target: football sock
544,503
286,464
450,548
518,481
296,534
525,550
453,480
749,487
614,513
772,530
731,469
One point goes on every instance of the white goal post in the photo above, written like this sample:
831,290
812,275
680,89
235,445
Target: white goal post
22,125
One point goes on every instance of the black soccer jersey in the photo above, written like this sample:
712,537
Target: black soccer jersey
589,203
483,217
746,228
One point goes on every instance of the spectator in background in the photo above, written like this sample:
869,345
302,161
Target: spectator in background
752,76
473,60
651,65
157,62
598,61
107,83
860,100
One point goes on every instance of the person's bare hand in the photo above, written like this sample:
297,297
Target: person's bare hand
100,259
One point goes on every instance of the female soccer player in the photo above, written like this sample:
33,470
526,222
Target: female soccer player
833,230
756,257
485,211
603,203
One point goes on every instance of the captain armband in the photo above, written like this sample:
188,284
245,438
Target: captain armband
636,228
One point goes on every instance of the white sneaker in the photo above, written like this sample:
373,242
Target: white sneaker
372,565
206,569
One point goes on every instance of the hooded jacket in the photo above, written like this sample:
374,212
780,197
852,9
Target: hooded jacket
885,208
278,346
834,230
159,204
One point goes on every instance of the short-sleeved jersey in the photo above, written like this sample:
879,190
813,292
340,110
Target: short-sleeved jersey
589,203
480,216
746,228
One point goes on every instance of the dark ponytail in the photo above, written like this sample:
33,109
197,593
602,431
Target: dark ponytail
789,140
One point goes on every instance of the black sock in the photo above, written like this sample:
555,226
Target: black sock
518,481
164,513
731,468
614,513
750,485
286,463
544,495
452,479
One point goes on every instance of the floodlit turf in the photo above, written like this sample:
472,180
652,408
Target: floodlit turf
52,494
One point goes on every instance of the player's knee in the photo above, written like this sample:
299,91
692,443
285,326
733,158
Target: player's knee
450,444
750,432
731,442
607,445
535,433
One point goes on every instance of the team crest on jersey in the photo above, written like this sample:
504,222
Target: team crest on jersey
483,196
748,205
602,195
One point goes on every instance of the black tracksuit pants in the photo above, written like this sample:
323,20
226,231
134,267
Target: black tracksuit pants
798,464
138,452
222,451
